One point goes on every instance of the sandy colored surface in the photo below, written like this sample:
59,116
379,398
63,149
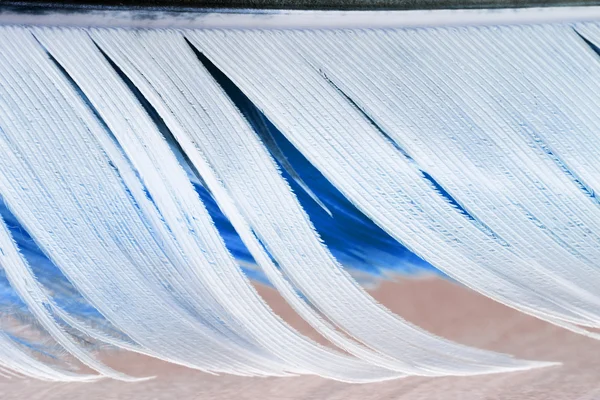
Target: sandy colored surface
439,306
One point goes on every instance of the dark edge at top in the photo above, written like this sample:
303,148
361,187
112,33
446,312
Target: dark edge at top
43,7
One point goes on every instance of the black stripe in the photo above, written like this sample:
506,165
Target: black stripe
42,7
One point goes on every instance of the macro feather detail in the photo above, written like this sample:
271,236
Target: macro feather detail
154,172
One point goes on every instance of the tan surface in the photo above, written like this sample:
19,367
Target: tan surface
439,306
